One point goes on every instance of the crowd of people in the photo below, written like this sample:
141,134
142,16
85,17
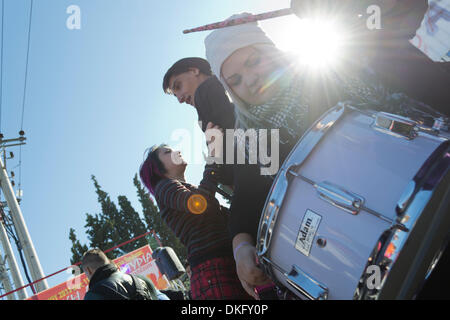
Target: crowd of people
246,83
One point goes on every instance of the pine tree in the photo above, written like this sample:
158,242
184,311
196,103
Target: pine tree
77,249
105,230
132,225
98,233
115,225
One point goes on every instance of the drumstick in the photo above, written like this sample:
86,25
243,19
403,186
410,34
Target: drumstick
224,194
237,21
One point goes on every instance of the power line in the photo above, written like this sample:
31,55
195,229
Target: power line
1,67
26,64
10,231
25,91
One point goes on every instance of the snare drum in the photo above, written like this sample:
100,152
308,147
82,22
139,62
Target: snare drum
352,210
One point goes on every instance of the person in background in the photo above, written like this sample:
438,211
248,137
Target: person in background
190,80
107,282
197,219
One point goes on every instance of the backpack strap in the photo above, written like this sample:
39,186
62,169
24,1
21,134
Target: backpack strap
141,292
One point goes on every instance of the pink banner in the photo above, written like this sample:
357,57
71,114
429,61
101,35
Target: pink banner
138,262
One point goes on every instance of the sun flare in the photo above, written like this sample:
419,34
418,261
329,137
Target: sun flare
316,43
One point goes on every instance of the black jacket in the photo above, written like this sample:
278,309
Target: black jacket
213,105
108,283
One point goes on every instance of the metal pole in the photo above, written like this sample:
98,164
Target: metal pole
5,279
12,263
22,231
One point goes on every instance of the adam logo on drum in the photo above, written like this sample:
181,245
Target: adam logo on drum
305,231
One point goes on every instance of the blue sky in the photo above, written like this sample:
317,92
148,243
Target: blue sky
94,102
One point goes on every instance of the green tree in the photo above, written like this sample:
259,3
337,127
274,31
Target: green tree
115,225
132,225
104,230
77,248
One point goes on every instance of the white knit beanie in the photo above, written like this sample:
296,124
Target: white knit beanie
221,43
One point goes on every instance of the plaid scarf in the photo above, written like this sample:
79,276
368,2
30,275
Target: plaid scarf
287,112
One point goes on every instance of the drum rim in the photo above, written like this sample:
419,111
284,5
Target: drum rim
418,194
311,138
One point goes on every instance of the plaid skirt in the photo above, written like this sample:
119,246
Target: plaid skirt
216,279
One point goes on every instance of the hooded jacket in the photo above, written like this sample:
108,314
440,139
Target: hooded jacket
108,283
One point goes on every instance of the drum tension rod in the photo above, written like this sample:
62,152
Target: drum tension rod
363,207
297,175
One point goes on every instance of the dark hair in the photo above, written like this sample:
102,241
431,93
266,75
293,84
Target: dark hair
152,169
94,258
184,65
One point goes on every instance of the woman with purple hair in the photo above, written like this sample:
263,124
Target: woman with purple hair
197,219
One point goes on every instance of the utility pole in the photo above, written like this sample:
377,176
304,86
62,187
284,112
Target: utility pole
19,223
12,263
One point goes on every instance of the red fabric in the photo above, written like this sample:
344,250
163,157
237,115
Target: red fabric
216,279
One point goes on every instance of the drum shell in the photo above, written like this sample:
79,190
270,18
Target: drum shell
365,161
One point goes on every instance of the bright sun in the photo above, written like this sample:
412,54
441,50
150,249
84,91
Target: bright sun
316,43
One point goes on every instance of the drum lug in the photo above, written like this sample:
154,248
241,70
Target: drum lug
339,197
405,198
306,285
395,125
267,226
400,226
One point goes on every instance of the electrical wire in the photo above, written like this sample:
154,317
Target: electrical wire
26,65
10,232
25,91
1,67
24,266
10,227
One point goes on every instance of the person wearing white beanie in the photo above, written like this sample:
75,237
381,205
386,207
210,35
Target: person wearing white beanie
220,45
223,43
269,92
254,72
